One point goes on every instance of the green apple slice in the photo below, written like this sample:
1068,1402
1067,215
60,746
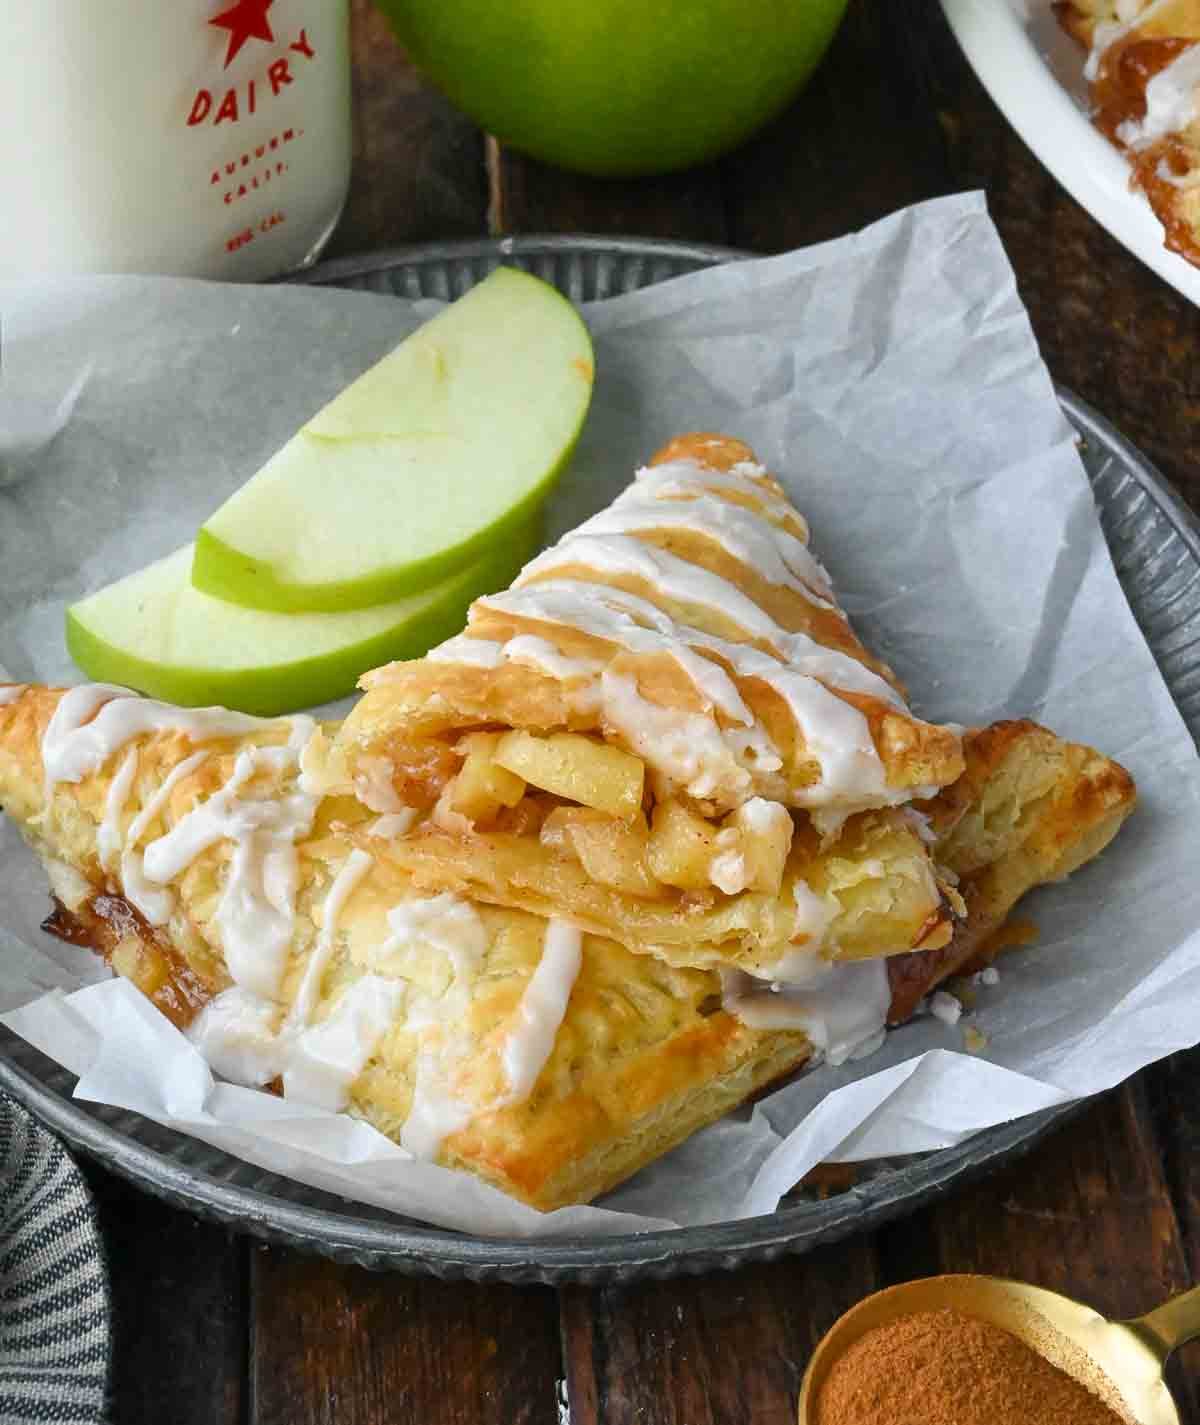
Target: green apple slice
154,632
431,456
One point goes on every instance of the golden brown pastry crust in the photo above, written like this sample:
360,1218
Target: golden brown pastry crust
1030,808
879,869
644,1057
410,703
593,602
645,1054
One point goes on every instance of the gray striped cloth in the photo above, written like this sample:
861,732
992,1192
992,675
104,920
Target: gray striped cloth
55,1307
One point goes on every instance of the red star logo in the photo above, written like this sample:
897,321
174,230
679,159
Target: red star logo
245,20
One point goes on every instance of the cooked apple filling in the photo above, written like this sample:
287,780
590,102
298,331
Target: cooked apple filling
567,820
668,730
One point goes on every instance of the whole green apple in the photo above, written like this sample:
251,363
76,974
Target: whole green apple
617,87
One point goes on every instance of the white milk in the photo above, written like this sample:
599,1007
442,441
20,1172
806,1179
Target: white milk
206,138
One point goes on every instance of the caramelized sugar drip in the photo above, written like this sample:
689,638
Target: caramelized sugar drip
112,928
1119,93
1127,68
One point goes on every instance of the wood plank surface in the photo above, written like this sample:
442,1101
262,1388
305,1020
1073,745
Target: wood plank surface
727,1349
1090,1214
180,1342
337,1345
530,197
854,146
1173,1092
418,171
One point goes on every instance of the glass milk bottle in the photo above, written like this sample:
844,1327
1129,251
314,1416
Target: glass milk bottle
205,138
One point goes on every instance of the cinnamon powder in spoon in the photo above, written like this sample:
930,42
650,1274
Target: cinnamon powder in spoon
947,1368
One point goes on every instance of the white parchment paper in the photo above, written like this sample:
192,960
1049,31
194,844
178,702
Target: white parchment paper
892,381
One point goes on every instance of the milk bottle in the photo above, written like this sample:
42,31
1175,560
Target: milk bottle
206,138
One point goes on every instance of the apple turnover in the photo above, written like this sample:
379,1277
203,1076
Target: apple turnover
280,930
667,730
1144,69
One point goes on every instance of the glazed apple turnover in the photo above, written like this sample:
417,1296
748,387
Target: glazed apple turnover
282,931
667,730
1144,69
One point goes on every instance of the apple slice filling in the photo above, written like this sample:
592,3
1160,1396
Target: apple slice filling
596,804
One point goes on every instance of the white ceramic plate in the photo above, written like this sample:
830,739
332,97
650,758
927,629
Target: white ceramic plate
1034,72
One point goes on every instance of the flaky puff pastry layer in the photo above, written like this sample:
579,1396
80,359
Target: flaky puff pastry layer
692,606
644,1055
874,890
1030,808
1130,44
690,628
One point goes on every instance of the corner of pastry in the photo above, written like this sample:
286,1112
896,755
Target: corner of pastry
1062,802
643,1057
1030,808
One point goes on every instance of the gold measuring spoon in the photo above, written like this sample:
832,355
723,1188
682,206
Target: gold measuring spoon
1121,1361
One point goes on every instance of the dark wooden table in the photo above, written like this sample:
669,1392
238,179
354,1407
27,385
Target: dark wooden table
213,1329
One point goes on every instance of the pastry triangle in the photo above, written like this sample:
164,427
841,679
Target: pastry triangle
279,929
667,729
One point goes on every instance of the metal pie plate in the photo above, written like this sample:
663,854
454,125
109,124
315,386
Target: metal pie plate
1155,544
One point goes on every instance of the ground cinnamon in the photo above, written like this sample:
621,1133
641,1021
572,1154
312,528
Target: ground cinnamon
947,1368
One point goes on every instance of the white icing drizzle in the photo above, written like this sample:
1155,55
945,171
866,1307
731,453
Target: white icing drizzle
533,652
91,722
393,824
543,1005
836,734
1131,14
623,556
154,903
1172,97
446,923
238,1035
686,747
540,653
108,833
326,1058
256,913
615,620
246,1036
453,926
462,648
356,866
814,915
842,1007
373,785
606,612
11,693
138,825
779,557
690,747
685,479
435,1113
